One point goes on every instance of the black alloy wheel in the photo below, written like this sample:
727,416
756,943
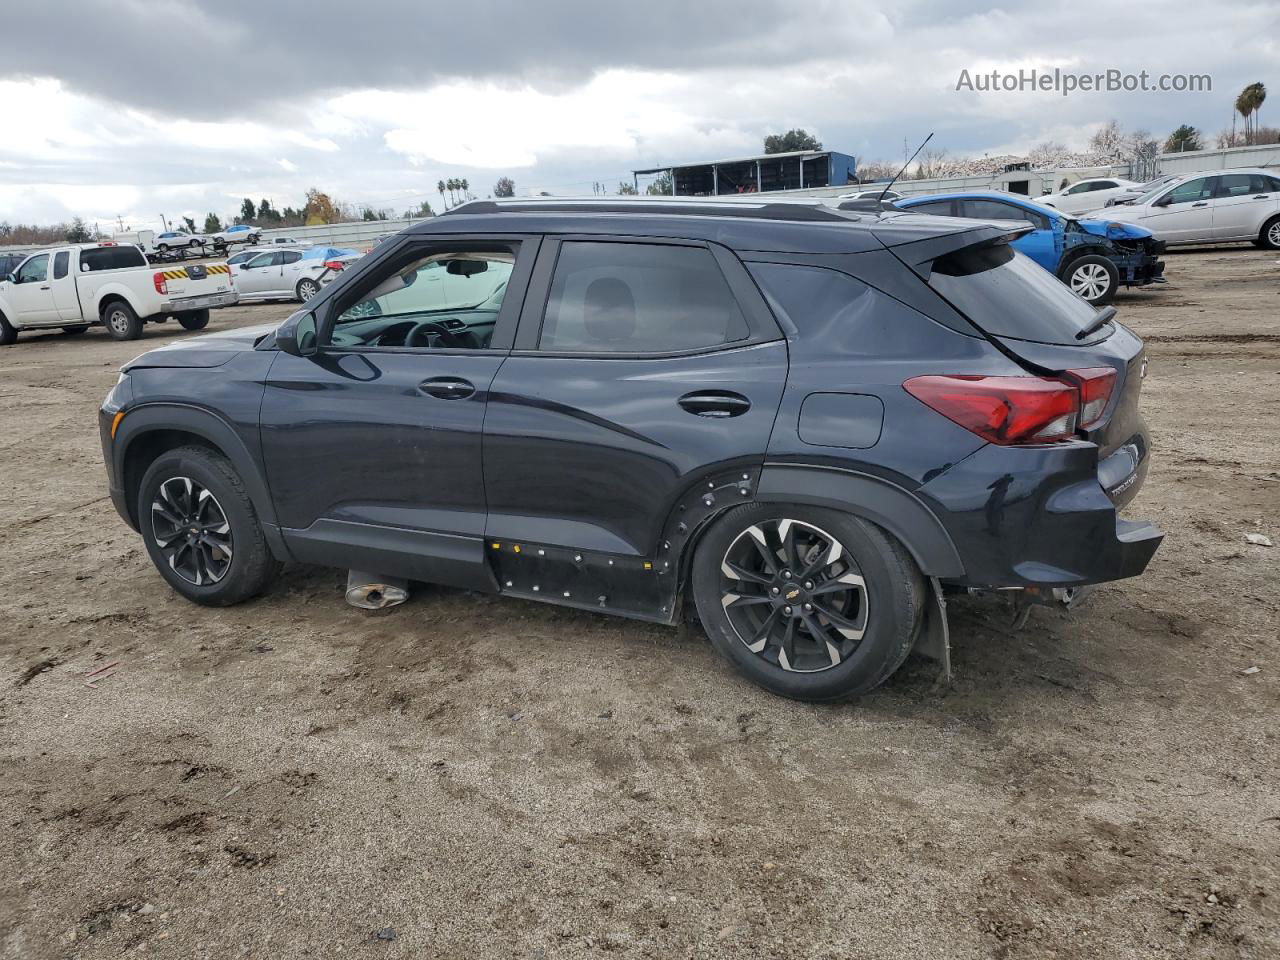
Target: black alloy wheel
191,531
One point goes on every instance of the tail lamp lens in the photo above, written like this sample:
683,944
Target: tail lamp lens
162,285
1013,410
334,264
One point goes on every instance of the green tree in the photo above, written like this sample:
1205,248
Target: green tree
212,224
795,139
191,224
505,187
78,232
627,190
267,213
1186,137
247,211
440,190
661,186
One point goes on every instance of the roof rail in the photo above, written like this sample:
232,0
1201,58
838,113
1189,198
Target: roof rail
684,206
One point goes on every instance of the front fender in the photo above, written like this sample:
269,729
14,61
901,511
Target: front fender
150,418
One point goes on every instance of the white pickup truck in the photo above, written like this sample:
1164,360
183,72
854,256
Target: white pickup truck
75,287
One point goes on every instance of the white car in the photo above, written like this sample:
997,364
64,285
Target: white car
881,194
1085,195
1132,193
74,287
240,233
179,240
287,274
1213,206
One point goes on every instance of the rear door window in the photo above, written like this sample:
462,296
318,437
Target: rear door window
639,298
60,261
938,208
1008,295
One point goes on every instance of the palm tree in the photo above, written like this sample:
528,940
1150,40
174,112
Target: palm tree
440,187
1248,103
464,186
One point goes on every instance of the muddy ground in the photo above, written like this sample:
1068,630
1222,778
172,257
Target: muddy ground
469,776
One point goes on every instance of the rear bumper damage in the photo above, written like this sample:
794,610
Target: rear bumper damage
1044,517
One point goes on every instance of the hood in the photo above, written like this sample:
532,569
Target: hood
1114,229
210,350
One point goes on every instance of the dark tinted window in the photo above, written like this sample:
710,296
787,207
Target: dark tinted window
998,210
1272,184
1008,295
290,256
111,258
60,261
1243,184
814,299
939,208
638,298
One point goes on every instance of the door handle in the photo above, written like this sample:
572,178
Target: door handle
447,388
1202,203
45,287
713,403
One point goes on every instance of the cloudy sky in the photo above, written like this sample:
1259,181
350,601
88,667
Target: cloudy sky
134,108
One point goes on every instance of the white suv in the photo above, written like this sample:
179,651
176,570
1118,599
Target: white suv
1213,206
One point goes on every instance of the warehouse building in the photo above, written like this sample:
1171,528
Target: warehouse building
798,170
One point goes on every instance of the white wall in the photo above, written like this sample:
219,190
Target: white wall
1195,160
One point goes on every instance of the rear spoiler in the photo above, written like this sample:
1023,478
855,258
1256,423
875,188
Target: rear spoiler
918,248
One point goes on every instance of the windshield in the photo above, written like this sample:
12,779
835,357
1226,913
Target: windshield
1010,295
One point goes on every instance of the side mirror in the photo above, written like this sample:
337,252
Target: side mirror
1164,201
243,264
297,335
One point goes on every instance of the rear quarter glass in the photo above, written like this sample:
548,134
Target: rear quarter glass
1008,295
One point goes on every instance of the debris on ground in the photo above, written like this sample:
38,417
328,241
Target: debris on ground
1260,539
102,673
1250,671
386,933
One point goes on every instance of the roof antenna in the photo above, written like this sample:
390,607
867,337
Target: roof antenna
904,169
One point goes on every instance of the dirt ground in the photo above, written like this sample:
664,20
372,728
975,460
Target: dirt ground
471,776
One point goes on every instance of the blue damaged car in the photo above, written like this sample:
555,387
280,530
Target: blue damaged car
1092,257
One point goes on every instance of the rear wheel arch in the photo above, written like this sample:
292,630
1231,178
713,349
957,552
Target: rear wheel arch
885,504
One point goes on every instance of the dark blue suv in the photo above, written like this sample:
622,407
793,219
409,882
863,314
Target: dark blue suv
810,422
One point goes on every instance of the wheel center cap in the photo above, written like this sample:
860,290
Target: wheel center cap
792,593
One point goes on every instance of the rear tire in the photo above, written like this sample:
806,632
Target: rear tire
7,333
193,488
120,320
307,289
854,613
1093,277
1269,236
75,331
195,320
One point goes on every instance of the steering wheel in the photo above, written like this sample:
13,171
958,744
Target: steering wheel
416,337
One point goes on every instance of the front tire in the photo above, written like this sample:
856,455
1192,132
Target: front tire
307,289
194,320
1269,236
121,321
809,603
1093,277
7,333
201,529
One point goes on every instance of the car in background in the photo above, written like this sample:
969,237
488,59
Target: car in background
1084,195
1092,257
238,258
240,233
880,194
179,241
1133,193
1213,206
286,274
284,241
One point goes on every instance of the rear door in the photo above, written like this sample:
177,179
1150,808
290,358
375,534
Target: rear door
643,370
63,282
1242,202
292,269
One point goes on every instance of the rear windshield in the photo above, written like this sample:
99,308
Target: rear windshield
111,258
1009,295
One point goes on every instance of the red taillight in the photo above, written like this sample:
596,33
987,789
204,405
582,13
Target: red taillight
333,264
161,285
1095,390
1010,410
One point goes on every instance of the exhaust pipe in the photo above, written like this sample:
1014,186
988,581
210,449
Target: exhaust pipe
371,592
